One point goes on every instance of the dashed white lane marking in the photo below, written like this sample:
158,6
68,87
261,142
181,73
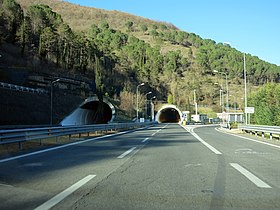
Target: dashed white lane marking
250,176
127,152
56,199
217,152
146,139
60,147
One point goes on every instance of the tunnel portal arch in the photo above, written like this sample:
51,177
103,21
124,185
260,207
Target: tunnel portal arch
85,114
169,114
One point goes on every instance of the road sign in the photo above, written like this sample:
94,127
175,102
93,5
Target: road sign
250,110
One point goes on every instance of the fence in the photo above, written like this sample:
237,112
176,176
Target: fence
22,88
263,129
23,135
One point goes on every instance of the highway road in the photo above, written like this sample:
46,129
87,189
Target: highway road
161,167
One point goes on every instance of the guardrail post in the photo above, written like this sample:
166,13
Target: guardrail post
270,137
20,145
263,134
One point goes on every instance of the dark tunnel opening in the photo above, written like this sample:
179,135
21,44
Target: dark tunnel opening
92,106
169,115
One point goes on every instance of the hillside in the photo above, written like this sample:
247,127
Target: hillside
81,18
119,50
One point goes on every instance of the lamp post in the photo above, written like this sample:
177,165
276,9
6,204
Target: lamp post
153,108
146,108
215,71
245,91
194,101
137,105
51,114
221,96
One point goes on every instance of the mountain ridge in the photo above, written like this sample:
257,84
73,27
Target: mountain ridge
139,49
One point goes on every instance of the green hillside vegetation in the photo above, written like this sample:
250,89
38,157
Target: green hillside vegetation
267,105
119,51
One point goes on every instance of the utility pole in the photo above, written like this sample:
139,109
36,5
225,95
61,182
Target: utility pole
245,89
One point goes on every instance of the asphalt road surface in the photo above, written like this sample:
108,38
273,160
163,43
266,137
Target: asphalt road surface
162,167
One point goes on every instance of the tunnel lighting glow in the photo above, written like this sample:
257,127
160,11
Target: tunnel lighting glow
169,114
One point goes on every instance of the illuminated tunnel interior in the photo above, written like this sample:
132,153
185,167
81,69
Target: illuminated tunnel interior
86,113
169,114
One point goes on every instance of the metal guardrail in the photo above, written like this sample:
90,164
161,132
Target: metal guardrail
22,88
23,135
263,129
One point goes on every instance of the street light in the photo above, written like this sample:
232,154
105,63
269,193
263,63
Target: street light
221,96
137,106
194,100
51,114
146,108
215,71
153,108
245,90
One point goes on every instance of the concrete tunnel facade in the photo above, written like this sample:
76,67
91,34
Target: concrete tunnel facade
169,114
85,114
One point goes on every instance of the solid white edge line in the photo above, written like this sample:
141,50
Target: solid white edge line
247,138
59,197
217,152
250,176
146,139
126,153
63,146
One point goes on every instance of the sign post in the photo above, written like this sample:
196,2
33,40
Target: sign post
249,110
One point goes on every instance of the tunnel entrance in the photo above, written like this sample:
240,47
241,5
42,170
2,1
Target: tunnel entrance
169,114
92,108
86,113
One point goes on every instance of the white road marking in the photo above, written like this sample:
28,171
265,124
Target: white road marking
127,152
60,147
6,185
192,165
249,151
146,139
260,142
56,199
217,152
250,176
153,134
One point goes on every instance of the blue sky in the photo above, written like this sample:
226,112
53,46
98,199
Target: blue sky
250,26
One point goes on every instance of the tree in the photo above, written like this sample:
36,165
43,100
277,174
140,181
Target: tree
13,16
129,25
99,118
144,27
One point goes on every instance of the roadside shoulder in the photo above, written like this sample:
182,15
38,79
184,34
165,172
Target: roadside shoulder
252,137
